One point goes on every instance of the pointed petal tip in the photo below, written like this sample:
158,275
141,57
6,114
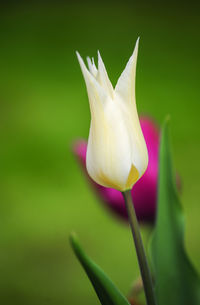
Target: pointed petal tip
101,65
80,59
99,57
77,54
136,45
138,40
100,60
92,66
86,73
81,62
104,79
126,83
89,61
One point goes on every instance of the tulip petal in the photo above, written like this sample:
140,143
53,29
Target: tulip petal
96,93
117,154
103,77
109,154
92,66
125,86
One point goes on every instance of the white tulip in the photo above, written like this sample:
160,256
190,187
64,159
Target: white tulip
117,154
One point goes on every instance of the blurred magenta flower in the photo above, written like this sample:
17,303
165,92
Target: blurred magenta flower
144,192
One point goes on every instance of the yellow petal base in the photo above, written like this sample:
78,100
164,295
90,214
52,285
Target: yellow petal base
132,177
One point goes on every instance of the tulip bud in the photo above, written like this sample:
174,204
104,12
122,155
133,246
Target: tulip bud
144,193
116,154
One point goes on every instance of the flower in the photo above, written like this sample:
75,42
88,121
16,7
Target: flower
144,192
116,154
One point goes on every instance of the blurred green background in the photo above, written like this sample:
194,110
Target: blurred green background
44,107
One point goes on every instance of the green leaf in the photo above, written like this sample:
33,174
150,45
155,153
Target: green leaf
176,281
106,291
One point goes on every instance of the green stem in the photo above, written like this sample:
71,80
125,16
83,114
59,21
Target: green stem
144,268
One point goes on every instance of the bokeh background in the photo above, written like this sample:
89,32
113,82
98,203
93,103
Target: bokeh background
44,107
